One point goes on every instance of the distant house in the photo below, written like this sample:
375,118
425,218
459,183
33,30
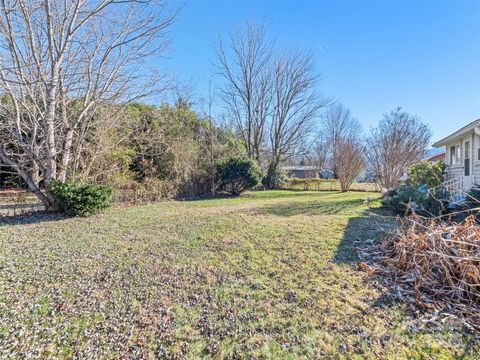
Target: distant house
435,154
301,172
439,157
462,156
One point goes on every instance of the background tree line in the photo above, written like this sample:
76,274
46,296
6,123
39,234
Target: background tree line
75,77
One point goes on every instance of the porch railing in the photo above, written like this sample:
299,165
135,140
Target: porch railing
455,188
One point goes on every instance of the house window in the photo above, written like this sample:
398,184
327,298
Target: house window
455,155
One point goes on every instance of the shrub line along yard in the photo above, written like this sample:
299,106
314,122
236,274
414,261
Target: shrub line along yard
265,275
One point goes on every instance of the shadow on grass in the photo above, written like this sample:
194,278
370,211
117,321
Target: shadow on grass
362,232
31,218
286,193
258,195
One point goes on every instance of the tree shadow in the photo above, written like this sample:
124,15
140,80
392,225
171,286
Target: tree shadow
31,218
257,194
364,232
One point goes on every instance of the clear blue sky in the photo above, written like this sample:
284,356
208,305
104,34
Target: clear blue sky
372,56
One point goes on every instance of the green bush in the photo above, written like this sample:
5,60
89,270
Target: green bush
421,192
80,200
238,174
398,199
420,199
430,174
274,179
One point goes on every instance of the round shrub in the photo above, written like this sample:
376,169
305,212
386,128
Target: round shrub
430,174
274,179
238,174
80,200
420,199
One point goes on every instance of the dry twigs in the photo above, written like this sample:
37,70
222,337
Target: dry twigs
437,265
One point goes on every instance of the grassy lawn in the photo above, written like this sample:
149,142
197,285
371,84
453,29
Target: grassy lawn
326,185
266,275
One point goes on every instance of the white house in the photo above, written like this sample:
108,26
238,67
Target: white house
463,156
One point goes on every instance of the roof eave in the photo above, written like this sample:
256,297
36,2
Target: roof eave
457,134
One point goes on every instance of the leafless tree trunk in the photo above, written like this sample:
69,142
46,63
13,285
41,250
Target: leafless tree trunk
270,94
350,161
244,63
338,125
399,140
60,60
296,104
318,154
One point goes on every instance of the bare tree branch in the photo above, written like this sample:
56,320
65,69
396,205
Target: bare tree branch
338,125
59,61
349,161
399,140
244,63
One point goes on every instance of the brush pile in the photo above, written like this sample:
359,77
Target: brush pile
437,265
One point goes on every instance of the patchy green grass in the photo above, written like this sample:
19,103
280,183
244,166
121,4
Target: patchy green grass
266,275
315,184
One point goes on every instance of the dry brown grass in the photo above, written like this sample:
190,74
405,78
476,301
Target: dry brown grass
436,264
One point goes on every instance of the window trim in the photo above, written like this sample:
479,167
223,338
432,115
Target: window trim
458,155
476,146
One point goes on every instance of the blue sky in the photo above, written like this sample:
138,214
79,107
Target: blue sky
372,56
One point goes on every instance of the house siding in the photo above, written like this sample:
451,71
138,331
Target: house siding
476,160
470,132
453,171
457,171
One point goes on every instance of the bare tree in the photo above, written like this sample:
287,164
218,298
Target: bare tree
317,154
270,94
350,161
399,140
296,104
60,60
244,63
338,125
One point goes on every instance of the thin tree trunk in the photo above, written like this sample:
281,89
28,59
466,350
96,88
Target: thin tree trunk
66,154
51,169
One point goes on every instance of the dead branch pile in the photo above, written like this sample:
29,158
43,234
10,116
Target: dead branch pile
437,265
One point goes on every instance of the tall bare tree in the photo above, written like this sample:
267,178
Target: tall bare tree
296,104
244,63
271,95
399,140
350,161
338,125
60,60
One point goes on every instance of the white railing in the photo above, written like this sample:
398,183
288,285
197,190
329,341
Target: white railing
453,185
455,189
